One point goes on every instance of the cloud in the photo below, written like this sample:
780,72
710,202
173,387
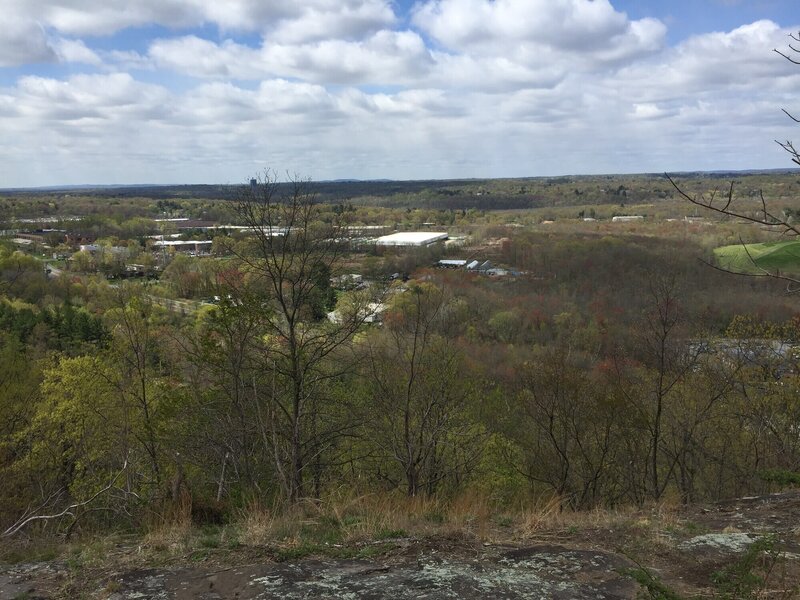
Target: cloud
108,100
23,42
290,19
649,110
26,42
592,28
734,61
75,51
387,57
340,88
342,20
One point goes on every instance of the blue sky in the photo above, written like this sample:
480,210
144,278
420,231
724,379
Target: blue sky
692,17
165,91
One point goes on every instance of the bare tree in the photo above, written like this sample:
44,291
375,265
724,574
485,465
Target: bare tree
420,394
219,352
135,351
567,427
293,251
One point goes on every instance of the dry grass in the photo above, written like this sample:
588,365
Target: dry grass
174,538
347,518
256,525
346,523
171,527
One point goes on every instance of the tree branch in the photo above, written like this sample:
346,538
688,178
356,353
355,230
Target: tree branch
26,520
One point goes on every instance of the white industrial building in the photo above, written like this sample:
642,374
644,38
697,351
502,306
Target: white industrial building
411,238
449,263
195,246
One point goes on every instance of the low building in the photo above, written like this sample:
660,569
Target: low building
100,248
411,239
186,223
627,218
194,246
42,236
447,263
74,239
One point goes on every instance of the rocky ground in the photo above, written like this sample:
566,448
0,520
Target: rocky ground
697,552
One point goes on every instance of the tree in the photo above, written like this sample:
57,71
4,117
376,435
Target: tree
183,273
83,261
224,433
567,425
137,357
420,394
286,265
19,394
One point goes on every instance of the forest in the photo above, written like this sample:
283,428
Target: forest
614,365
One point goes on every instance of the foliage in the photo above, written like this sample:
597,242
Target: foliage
613,368
748,576
654,588
780,477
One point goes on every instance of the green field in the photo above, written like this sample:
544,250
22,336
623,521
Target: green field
751,258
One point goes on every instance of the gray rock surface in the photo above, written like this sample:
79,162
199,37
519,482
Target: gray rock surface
543,572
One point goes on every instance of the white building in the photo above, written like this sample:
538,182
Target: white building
448,263
196,246
411,238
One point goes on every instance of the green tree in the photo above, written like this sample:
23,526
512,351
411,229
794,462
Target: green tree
137,351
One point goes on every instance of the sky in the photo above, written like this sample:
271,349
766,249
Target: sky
213,91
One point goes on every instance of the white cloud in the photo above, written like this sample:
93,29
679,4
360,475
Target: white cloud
592,28
340,20
75,51
23,42
297,20
199,57
648,110
733,62
386,57
113,98
337,88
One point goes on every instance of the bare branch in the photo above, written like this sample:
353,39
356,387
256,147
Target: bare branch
26,520
787,57
790,115
767,219
789,147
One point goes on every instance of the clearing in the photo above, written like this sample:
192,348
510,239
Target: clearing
752,258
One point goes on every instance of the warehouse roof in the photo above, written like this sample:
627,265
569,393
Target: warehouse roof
411,238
